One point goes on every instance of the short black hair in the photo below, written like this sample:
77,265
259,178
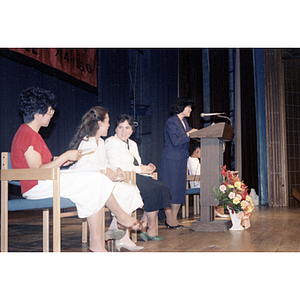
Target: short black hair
181,103
35,100
195,146
122,118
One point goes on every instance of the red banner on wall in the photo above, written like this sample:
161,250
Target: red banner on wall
80,63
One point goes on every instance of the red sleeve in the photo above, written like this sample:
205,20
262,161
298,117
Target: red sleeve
23,139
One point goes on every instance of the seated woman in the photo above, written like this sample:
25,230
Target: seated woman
123,153
94,125
90,191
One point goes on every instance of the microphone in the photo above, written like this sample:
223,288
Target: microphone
210,114
220,115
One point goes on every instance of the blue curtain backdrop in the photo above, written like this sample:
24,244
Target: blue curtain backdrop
258,66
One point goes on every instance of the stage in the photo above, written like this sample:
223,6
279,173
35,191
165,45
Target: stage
272,230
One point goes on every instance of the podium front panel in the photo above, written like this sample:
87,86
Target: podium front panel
211,161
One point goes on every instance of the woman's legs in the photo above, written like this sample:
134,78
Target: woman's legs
95,226
170,218
174,210
150,217
121,215
96,222
125,241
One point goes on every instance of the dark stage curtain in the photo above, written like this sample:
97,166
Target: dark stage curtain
191,85
249,137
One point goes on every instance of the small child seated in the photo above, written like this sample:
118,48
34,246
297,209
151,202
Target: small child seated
193,164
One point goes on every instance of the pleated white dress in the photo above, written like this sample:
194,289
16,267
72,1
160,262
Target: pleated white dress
88,190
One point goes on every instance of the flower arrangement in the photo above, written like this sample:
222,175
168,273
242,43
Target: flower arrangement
233,194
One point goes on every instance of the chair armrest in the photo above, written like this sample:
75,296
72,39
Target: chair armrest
29,174
193,177
130,177
155,175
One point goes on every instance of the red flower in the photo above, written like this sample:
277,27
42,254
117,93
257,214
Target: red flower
223,171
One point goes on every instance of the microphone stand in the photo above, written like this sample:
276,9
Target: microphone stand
220,115
225,117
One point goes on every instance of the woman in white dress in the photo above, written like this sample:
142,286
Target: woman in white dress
94,125
123,152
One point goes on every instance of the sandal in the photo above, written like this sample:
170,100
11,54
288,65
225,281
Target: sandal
137,225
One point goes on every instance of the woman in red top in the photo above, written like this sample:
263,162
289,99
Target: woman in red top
90,191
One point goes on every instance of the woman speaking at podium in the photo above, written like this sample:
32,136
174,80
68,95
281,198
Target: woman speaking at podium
175,154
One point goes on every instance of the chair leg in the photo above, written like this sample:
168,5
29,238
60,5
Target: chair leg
84,231
134,233
103,227
4,216
56,213
187,212
45,230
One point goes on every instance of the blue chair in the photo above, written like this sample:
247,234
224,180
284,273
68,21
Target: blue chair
191,191
12,176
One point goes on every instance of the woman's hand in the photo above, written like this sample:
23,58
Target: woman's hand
150,168
121,175
70,156
191,131
111,174
74,155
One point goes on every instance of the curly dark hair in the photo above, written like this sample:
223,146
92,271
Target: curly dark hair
89,125
35,100
122,118
181,103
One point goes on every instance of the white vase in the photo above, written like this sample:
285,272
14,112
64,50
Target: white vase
236,222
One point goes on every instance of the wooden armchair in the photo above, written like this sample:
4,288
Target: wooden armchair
57,203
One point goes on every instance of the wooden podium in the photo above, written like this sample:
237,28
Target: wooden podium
212,138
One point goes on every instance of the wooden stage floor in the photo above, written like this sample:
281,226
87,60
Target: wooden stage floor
272,230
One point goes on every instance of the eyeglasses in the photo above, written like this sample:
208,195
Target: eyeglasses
50,112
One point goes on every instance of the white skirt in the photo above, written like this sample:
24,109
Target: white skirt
88,190
128,196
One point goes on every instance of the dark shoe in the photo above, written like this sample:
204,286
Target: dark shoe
173,227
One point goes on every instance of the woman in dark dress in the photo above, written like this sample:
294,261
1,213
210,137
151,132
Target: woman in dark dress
175,154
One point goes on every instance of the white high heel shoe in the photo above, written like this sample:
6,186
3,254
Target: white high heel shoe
130,247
